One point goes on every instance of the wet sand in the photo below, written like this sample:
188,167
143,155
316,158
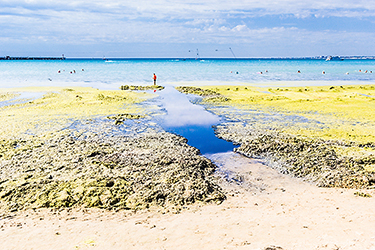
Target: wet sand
268,209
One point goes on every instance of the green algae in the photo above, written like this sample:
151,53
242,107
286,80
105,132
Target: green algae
44,164
361,194
208,94
71,169
323,134
59,106
311,159
197,91
7,96
346,112
135,87
120,118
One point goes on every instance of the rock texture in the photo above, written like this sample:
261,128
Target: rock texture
71,169
208,94
135,87
314,160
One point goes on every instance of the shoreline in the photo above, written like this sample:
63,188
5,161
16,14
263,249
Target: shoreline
263,208
274,211
47,84
304,132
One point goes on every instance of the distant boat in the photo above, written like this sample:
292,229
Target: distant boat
334,58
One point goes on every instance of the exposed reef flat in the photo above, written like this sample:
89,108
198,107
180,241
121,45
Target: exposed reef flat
136,87
312,159
274,211
208,94
73,169
60,107
323,134
83,147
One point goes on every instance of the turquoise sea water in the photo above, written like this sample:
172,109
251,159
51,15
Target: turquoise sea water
181,116
111,74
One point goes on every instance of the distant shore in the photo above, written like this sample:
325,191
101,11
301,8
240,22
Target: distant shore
186,58
31,58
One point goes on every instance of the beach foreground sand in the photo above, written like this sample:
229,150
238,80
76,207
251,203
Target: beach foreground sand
268,210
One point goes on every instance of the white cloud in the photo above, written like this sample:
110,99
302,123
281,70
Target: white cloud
240,28
192,9
166,21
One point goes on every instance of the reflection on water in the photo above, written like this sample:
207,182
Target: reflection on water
181,112
191,121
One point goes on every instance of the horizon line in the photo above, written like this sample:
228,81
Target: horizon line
185,58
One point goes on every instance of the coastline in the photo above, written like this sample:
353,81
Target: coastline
274,212
261,205
321,133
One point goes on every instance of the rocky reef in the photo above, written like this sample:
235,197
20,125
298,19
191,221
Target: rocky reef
134,87
72,168
120,118
208,94
315,160
303,132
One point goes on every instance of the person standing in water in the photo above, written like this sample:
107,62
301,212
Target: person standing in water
154,77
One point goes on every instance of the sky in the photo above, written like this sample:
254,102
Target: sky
181,28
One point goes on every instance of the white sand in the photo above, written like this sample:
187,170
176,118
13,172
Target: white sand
268,209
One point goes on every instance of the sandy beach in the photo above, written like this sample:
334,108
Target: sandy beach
49,203
268,211
187,125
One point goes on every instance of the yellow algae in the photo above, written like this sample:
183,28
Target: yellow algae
6,96
59,106
347,111
342,101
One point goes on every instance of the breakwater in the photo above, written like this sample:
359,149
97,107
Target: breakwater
31,58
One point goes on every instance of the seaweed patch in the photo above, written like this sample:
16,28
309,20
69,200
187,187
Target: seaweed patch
118,172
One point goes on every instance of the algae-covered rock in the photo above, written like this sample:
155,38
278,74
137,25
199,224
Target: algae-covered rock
197,91
94,170
208,94
120,118
314,160
150,87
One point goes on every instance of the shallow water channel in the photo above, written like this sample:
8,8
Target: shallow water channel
190,121
23,97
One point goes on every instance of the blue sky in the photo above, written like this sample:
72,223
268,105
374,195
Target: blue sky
165,28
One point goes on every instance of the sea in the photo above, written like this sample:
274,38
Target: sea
112,73
181,115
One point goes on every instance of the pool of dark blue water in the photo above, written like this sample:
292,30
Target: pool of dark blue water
191,121
203,138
